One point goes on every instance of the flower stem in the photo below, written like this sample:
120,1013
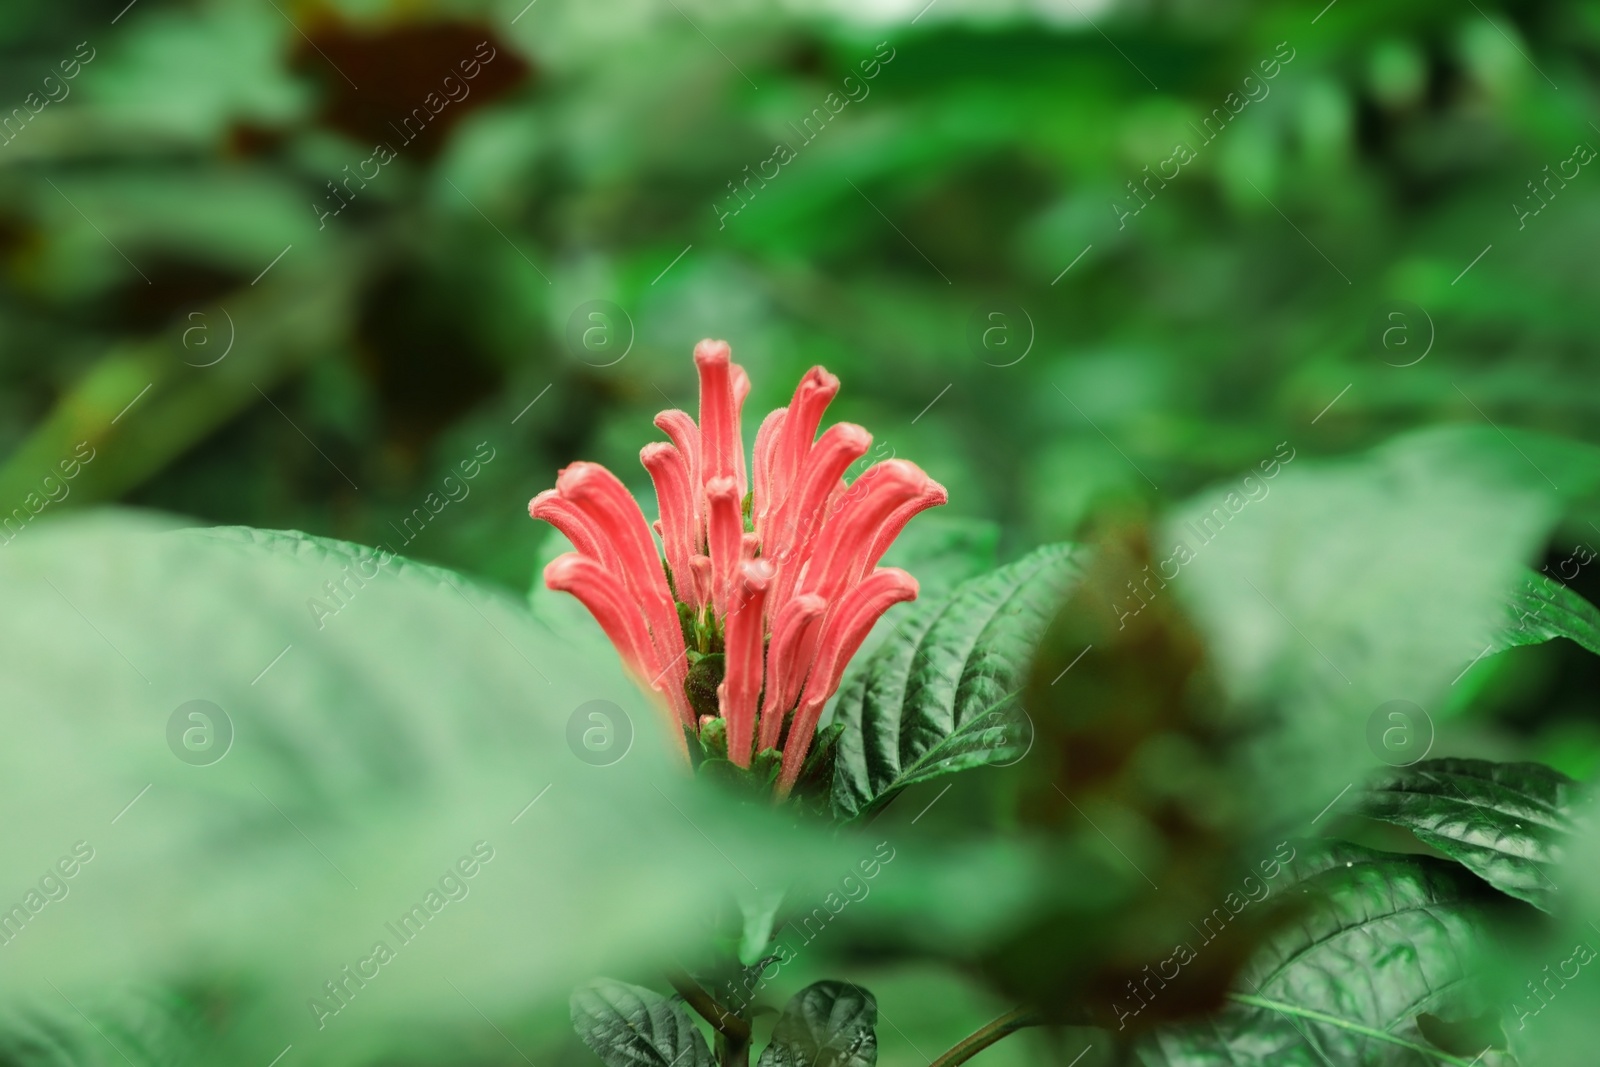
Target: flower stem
733,1030
983,1037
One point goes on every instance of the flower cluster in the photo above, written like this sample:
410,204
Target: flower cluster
770,579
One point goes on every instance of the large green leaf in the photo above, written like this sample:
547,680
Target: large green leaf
630,1026
1383,939
938,695
1506,822
1542,609
826,1024
111,1028
1339,586
375,750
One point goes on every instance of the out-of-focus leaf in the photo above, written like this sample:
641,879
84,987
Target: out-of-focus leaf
1332,588
1384,938
389,723
112,1028
826,1024
939,695
630,1026
1505,822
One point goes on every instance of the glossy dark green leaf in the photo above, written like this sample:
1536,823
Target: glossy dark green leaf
826,1024
630,1026
938,695
1381,939
1506,822
1542,609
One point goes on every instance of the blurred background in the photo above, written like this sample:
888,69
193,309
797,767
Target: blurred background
294,264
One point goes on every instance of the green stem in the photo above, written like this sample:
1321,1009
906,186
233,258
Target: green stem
1346,1024
982,1038
733,1030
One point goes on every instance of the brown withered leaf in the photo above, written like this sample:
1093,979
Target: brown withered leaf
1131,760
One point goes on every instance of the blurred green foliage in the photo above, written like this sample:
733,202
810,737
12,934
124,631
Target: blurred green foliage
1373,243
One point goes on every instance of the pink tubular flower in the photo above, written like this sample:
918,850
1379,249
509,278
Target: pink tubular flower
765,582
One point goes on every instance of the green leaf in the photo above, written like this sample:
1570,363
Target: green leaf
826,1024
1337,586
630,1026
939,695
114,1029
1506,822
1381,940
419,725
1542,609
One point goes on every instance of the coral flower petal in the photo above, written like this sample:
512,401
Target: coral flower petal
843,631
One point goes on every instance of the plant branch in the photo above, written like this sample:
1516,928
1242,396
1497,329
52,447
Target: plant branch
982,1038
723,1020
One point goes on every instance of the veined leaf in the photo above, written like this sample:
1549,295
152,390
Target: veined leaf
1385,938
112,1029
1542,609
826,1024
630,1026
939,695
1506,822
